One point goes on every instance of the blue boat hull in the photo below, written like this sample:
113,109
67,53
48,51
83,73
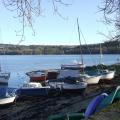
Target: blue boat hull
93,104
32,92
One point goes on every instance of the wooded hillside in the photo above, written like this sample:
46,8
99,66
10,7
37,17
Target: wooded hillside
111,47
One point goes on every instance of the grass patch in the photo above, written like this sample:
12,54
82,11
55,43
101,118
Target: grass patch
113,107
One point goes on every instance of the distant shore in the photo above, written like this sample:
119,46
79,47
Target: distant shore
109,47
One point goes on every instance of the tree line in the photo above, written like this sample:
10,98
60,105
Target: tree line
108,47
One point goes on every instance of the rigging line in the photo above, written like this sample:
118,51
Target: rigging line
101,56
79,41
87,46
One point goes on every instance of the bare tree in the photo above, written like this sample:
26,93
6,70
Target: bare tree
27,9
111,10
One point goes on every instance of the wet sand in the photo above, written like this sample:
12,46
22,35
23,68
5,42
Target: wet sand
39,108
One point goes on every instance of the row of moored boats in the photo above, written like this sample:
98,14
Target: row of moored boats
68,78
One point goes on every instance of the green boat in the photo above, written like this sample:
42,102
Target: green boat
112,97
68,116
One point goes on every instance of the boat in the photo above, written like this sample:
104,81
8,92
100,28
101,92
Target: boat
79,72
7,100
107,74
64,73
79,116
39,76
80,69
68,116
113,96
93,104
36,76
68,84
89,79
66,87
7,97
33,89
76,87
75,66
4,77
94,79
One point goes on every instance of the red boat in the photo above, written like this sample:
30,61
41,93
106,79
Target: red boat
39,76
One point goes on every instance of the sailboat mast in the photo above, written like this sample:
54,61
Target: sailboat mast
80,41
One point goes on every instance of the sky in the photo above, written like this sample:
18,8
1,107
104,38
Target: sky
51,29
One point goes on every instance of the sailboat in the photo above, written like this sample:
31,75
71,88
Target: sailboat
77,65
79,74
105,74
68,78
89,79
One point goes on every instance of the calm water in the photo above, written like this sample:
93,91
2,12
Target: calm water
18,65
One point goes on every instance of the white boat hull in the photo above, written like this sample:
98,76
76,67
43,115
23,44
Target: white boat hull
93,80
108,76
66,86
79,86
55,85
7,100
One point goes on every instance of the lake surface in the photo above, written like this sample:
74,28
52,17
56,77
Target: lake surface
18,65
